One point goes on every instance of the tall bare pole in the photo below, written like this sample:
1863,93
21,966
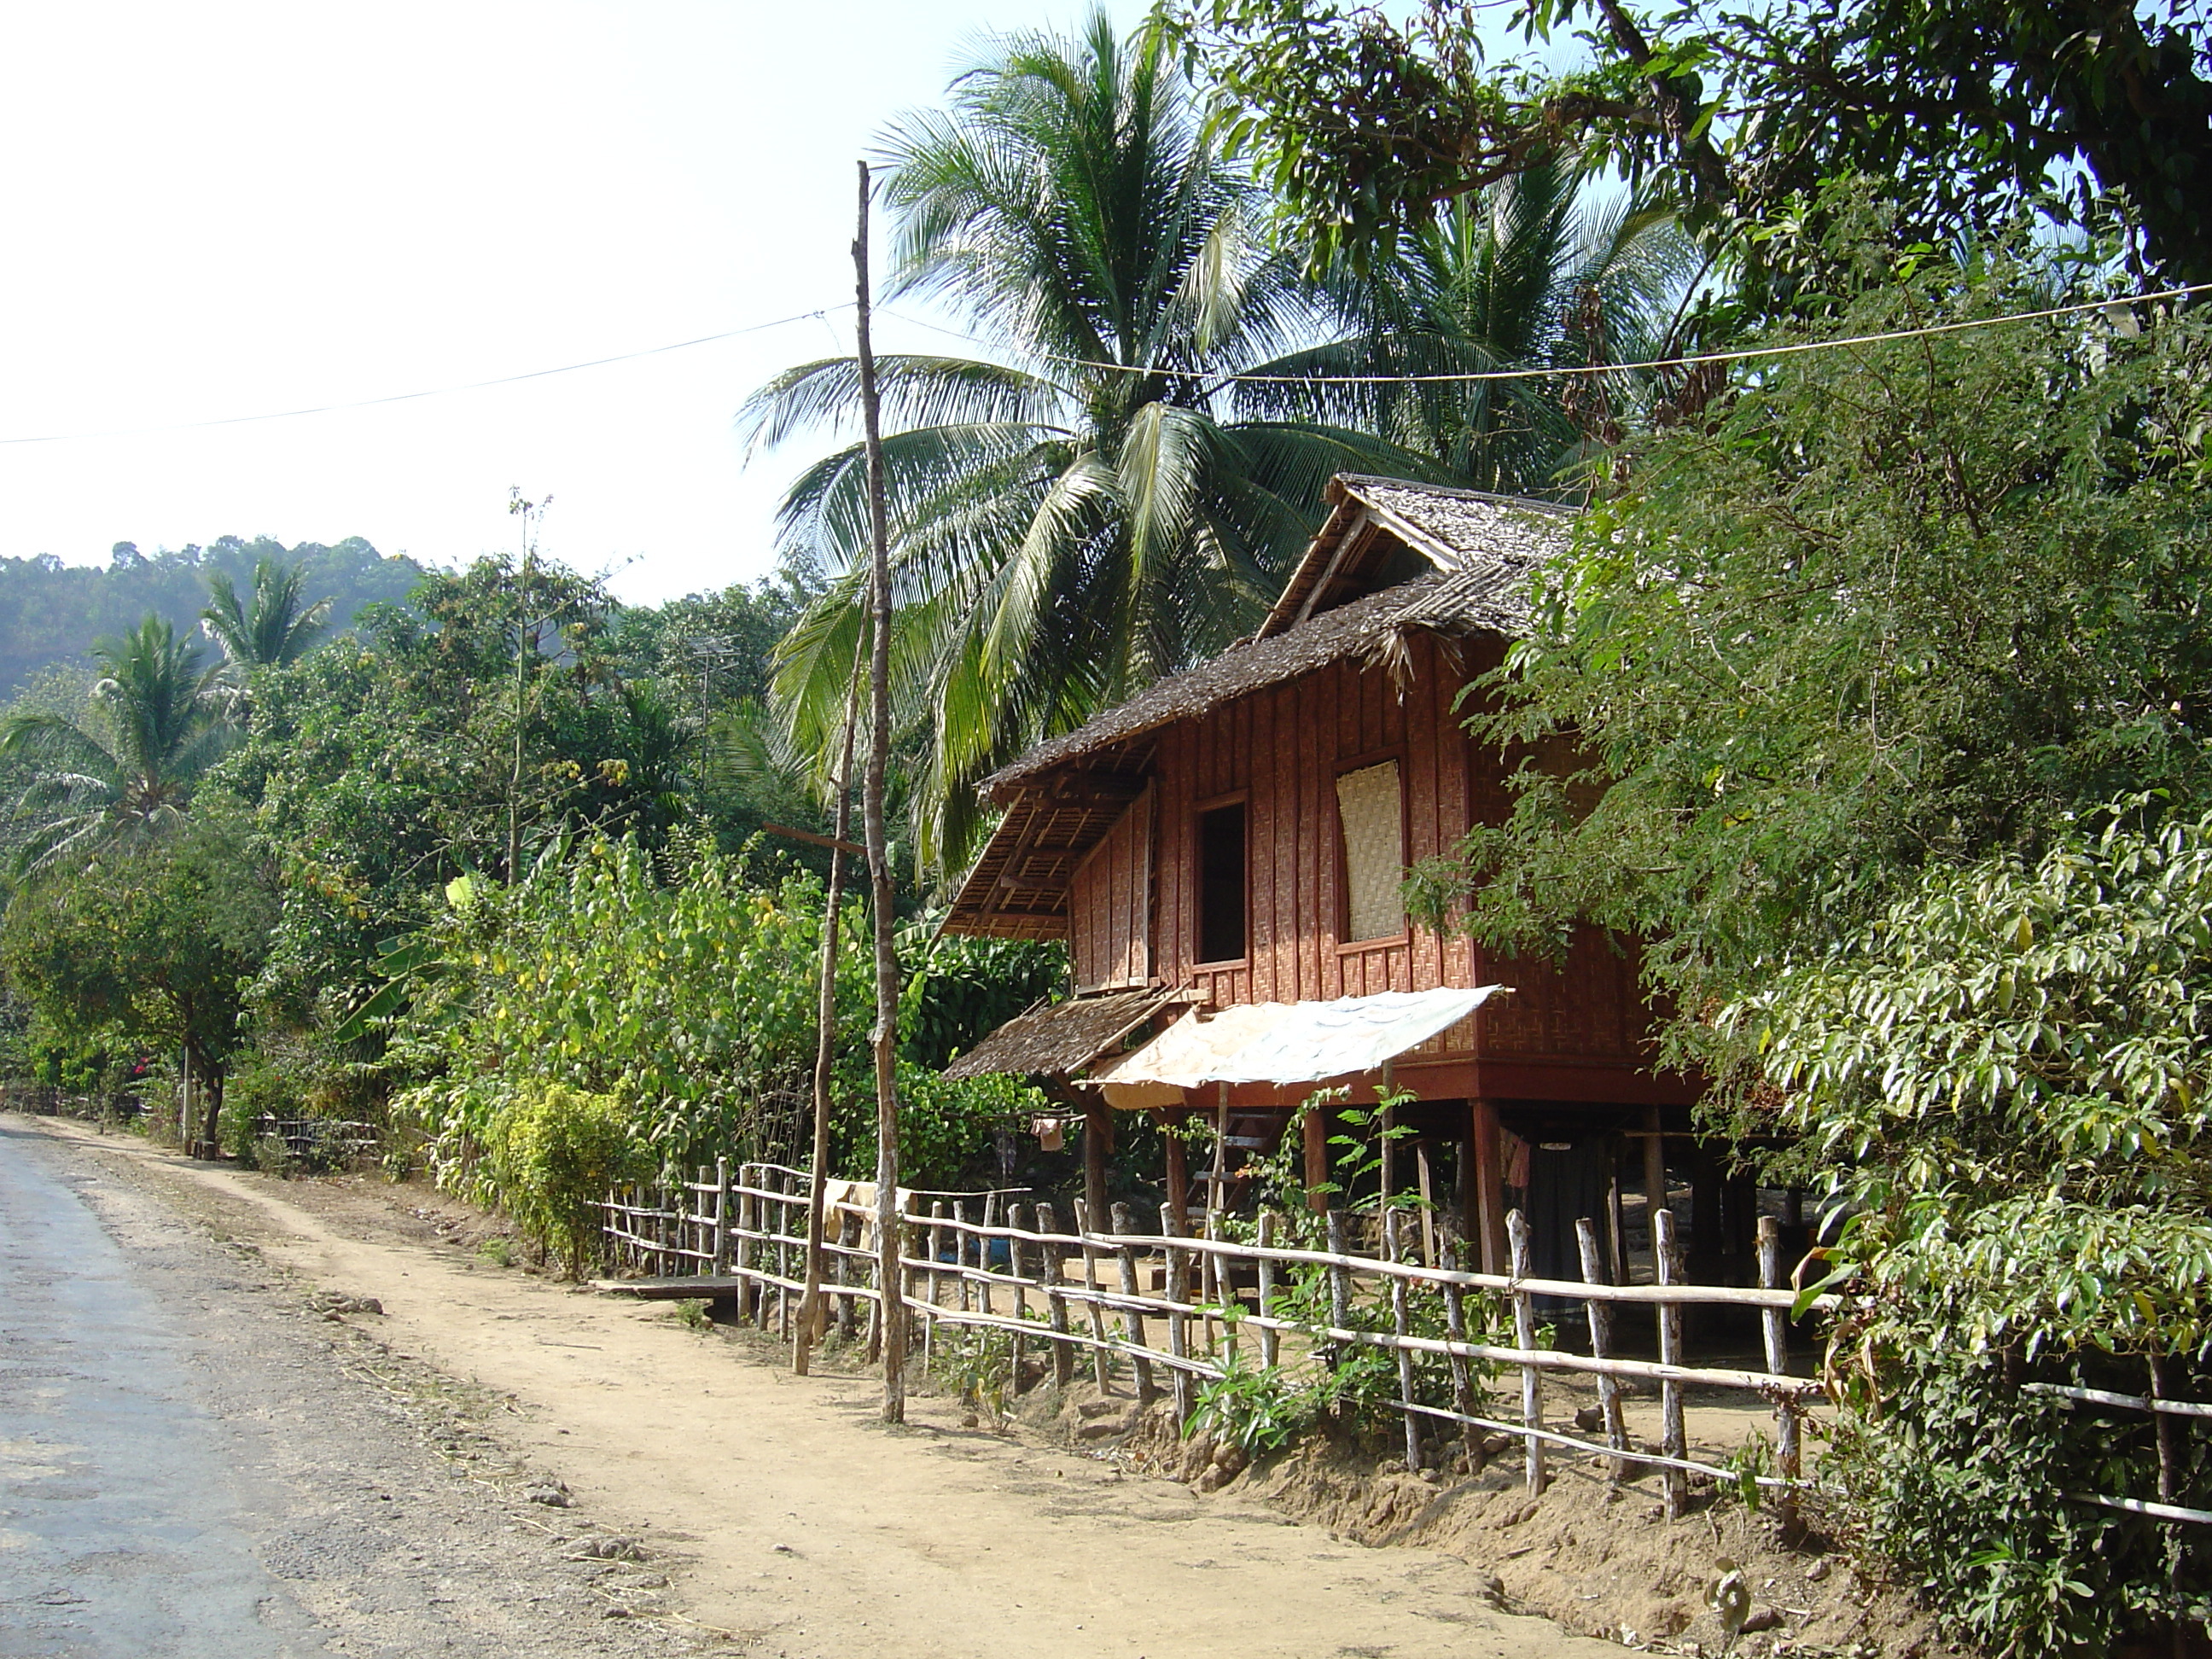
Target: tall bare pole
890,1275
825,1046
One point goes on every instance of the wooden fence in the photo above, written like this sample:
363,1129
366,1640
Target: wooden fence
1171,1312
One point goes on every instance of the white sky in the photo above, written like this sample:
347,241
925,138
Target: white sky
228,209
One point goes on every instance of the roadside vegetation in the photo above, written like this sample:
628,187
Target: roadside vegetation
1873,695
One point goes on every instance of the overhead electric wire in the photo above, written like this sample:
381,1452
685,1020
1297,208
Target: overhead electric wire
433,391
1560,371
1567,370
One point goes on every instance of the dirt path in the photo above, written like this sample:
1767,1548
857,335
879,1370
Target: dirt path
809,1530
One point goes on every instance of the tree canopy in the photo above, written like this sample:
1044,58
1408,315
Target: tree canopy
1965,109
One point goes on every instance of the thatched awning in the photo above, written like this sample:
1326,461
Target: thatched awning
1060,1038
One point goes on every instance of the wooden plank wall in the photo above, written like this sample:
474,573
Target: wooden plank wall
1281,750
1109,905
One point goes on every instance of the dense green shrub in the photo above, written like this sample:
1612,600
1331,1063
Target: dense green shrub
2010,1071
551,1152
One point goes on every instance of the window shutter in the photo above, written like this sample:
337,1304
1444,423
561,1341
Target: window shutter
1368,807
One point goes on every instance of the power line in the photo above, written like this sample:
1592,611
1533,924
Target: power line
1579,370
435,391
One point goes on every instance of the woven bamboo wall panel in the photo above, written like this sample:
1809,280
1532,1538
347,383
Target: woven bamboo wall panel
1370,805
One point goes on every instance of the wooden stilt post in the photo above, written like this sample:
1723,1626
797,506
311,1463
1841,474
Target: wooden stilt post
1015,1249
1425,1181
1178,1171
1097,1141
1313,1125
1655,1181
1490,1185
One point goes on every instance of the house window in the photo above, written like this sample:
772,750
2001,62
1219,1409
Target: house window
1371,812
1221,884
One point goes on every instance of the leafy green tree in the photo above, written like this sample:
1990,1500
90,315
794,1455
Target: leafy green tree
1087,508
277,625
1965,110
156,943
1902,605
126,768
1541,271
2008,1072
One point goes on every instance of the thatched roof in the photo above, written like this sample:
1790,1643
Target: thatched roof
1062,796
1060,1038
1453,529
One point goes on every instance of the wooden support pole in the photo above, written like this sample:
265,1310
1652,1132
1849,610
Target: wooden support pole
1788,1454
1313,1127
1490,1185
1340,1278
1655,1182
1133,1321
882,1038
1524,1336
1401,1322
1424,1179
1601,1335
1063,1351
1674,1442
1097,1141
1178,1170
1616,1241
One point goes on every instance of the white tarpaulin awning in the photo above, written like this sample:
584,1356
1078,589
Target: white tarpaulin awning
1283,1042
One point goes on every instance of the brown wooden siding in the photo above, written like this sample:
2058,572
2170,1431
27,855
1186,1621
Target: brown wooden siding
1282,749
1110,904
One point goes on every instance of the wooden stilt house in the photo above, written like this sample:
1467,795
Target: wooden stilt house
1223,853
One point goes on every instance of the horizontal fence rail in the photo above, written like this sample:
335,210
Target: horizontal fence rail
988,1264
2163,1411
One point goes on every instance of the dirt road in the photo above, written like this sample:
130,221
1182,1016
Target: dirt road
794,1524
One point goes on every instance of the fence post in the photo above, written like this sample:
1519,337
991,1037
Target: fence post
786,1185
1524,1337
1463,1399
1601,1330
1672,1439
1270,1338
983,1253
1788,1454
848,1238
1339,1280
1100,1372
1401,1323
745,1253
1015,1216
1178,1322
722,1216
1063,1351
1133,1321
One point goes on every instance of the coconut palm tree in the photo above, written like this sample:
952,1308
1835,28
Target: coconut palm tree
160,716
1545,269
278,625
1087,508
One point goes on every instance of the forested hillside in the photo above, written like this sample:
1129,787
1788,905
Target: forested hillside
50,612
